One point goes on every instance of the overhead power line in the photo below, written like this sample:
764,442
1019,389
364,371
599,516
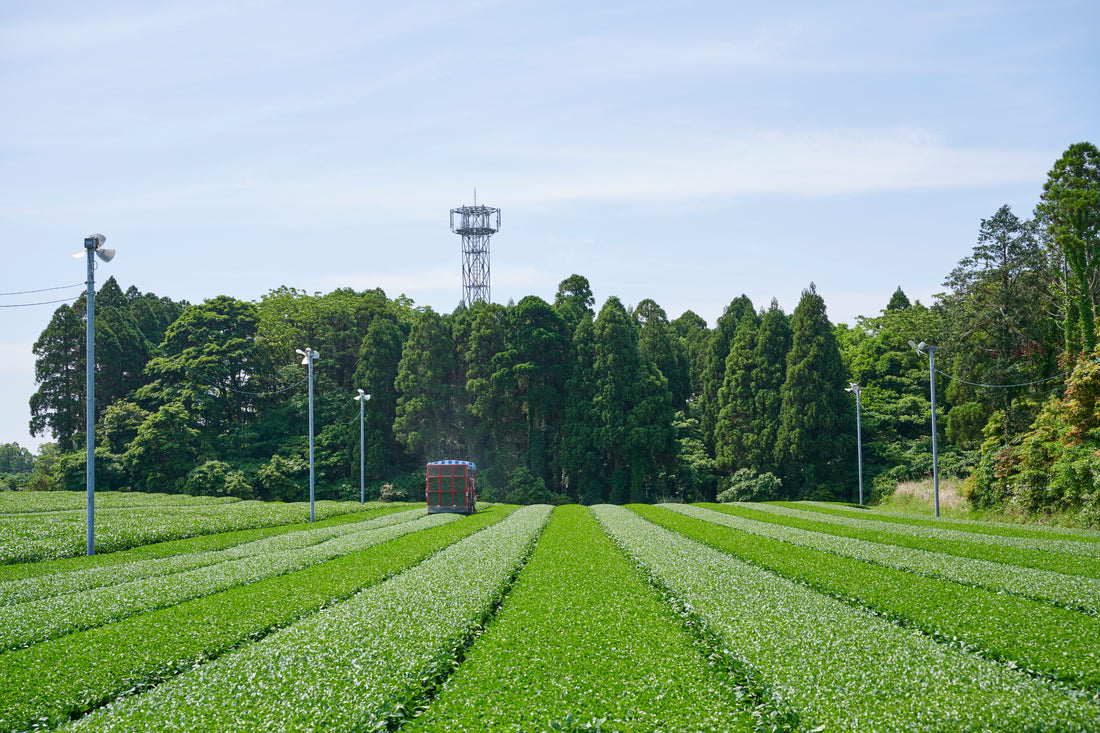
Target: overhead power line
43,302
1002,386
43,290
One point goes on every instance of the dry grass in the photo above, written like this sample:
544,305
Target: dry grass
918,496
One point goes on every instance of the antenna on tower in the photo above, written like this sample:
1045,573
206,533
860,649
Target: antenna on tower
476,224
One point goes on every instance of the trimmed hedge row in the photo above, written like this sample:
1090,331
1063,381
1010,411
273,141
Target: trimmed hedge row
47,683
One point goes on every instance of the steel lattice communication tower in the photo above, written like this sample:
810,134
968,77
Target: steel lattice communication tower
476,224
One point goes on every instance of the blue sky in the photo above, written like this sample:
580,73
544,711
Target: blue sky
682,151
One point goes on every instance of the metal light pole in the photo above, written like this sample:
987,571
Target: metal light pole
92,249
920,349
859,437
309,357
362,397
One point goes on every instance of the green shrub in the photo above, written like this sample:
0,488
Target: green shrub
280,479
746,485
217,478
524,488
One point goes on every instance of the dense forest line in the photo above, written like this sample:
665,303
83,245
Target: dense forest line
559,402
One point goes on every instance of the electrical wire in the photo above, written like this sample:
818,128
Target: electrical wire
43,290
1001,386
44,302
252,394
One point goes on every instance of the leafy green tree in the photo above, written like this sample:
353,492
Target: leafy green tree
153,315
998,330
282,478
164,452
333,323
812,440
217,478
526,488
492,420
696,476
216,366
120,424
1070,209
15,459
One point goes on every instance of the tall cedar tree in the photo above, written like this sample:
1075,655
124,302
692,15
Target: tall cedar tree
633,406
540,338
581,460
732,433
714,373
379,357
490,414
813,420
1070,209
428,423
691,329
773,343
57,406
123,347
660,344
574,301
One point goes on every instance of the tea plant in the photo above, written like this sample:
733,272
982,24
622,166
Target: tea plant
842,667
333,670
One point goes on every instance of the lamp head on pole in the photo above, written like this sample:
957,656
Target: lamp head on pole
94,242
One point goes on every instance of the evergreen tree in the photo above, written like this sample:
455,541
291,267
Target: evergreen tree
812,441
428,423
58,405
540,340
660,344
773,343
379,357
633,406
898,301
574,301
714,373
581,461
1070,209
692,331
121,349
732,437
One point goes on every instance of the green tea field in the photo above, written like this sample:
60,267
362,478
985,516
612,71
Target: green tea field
216,615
